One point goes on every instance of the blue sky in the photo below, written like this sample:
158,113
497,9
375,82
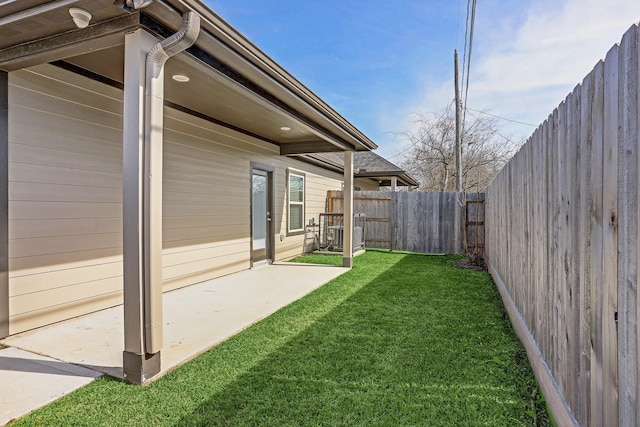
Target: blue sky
378,61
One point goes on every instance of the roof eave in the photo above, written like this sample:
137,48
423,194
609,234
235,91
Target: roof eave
288,84
404,178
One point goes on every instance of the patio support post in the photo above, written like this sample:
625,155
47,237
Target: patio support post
4,204
138,365
347,248
394,183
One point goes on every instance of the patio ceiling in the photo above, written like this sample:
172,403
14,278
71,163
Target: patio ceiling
231,81
207,93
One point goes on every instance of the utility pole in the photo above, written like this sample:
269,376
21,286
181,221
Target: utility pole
458,126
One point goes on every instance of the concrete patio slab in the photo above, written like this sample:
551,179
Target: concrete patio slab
195,319
29,381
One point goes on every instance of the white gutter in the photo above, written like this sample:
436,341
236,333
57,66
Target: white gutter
137,4
154,115
37,10
234,41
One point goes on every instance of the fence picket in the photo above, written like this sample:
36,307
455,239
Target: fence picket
583,146
598,216
411,221
562,238
628,229
610,240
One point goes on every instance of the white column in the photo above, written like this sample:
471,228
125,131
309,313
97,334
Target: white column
347,250
137,363
394,183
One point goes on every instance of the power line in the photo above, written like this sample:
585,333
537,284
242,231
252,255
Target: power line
466,86
404,151
458,23
501,118
498,133
418,139
466,38
476,117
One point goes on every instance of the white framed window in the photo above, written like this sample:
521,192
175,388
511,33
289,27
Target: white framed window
295,202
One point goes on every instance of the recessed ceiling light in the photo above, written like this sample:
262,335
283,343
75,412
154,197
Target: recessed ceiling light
285,128
180,78
80,17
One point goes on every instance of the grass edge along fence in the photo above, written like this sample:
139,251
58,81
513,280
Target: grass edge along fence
562,243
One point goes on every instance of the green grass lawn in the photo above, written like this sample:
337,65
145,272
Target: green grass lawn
398,340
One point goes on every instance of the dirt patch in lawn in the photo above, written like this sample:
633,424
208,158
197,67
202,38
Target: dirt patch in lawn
477,264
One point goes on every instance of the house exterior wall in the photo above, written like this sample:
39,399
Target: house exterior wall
207,198
65,197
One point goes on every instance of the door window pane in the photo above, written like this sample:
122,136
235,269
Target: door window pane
259,211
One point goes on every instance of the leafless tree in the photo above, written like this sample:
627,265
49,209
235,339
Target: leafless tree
431,157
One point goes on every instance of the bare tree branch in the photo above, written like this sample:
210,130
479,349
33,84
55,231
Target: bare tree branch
432,153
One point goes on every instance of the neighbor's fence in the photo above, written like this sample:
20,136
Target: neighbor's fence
562,245
376,206
417,221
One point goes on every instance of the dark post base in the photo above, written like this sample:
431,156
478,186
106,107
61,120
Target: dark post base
347,262
139,368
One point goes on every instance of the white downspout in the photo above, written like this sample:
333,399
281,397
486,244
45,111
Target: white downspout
152,218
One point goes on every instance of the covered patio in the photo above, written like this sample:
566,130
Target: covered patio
195,319
170,114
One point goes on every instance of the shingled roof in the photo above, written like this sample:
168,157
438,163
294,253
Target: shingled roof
366,164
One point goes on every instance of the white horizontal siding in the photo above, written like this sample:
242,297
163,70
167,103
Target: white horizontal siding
65,197
206,227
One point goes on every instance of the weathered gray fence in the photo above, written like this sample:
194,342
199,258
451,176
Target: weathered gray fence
417,221
427,222
562,245
376,205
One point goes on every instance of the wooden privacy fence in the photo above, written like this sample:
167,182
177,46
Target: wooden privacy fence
376,205
417,221
562,245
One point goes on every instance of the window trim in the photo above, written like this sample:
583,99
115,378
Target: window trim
291,173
